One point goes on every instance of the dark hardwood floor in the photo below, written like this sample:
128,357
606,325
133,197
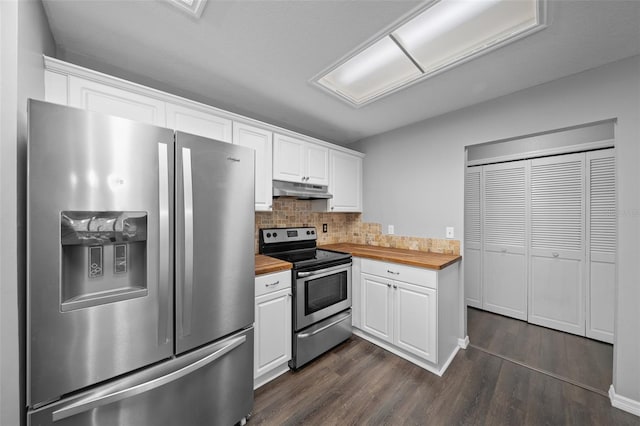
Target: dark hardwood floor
358,383
576,359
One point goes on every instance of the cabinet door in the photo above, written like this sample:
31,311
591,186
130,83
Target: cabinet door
272,331
346,182
557,244
317,164
376,307
198,122
288,159
472,258
505,216
106,99
601,244
262,142
415,320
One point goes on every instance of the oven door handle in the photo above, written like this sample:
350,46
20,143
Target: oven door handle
323,271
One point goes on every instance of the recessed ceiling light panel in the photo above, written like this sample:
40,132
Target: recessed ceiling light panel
439,36
191,7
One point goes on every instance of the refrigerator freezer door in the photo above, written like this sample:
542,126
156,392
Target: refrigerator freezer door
209,386
100,203
214,240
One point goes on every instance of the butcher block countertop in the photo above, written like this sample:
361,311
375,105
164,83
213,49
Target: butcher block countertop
420,259
267,265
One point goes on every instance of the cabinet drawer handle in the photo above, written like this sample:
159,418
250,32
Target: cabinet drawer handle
272,284
395,286
388,285
393,273
555,254
503,250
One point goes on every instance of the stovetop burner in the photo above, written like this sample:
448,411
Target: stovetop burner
298,246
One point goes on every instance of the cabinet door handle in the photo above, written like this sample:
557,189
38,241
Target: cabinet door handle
395,287
555,254
393,273
388,285
272,284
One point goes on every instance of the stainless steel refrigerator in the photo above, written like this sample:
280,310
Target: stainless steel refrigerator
140,280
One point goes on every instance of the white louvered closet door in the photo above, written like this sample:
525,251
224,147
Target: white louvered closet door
472,237
504,212
601,244
557,244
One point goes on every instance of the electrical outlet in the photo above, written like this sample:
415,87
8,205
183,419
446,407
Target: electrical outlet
324,227
449,232
390,230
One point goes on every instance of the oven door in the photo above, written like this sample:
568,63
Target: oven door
320,294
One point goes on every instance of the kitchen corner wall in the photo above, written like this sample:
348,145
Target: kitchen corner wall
344,228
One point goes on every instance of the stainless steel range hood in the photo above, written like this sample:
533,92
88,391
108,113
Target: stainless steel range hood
302,191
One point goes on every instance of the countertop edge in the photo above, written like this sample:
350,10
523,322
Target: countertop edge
267,265
365,252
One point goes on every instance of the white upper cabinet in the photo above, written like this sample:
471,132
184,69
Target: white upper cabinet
99,97
278,156
346,182
295,160
261,141
198,122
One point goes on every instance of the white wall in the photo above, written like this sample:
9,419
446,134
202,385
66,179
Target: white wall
413,176
24,38
9,355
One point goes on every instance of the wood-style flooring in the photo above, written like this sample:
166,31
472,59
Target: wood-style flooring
358,383
576,359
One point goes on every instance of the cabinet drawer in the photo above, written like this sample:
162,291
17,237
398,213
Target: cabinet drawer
395,271
272,282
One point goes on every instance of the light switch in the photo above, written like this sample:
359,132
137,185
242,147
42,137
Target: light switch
449,232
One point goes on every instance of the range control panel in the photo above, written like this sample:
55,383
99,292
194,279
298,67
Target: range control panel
287,235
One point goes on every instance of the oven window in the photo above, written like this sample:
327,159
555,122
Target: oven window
323,292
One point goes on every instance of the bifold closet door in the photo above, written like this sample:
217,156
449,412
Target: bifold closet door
601,244
472,237
557,244
504,213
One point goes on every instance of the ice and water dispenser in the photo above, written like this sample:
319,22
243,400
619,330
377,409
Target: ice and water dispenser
104,257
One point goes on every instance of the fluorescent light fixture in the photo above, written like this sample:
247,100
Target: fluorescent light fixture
191,7
439,36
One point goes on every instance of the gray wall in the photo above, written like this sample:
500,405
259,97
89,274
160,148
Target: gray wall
413,176
25,37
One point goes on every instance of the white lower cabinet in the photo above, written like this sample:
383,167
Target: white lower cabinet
413,312
272,341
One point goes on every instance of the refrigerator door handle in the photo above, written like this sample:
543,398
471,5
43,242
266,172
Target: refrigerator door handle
101,400
164,306
187,297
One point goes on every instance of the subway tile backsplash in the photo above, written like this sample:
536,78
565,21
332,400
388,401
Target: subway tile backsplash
344,228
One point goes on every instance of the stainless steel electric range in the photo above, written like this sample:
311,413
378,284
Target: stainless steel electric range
321,290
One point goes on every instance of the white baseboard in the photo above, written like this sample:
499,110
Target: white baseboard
463,343
270,375
432,368
626,404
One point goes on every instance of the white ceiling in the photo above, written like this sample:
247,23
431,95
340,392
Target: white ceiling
256,57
